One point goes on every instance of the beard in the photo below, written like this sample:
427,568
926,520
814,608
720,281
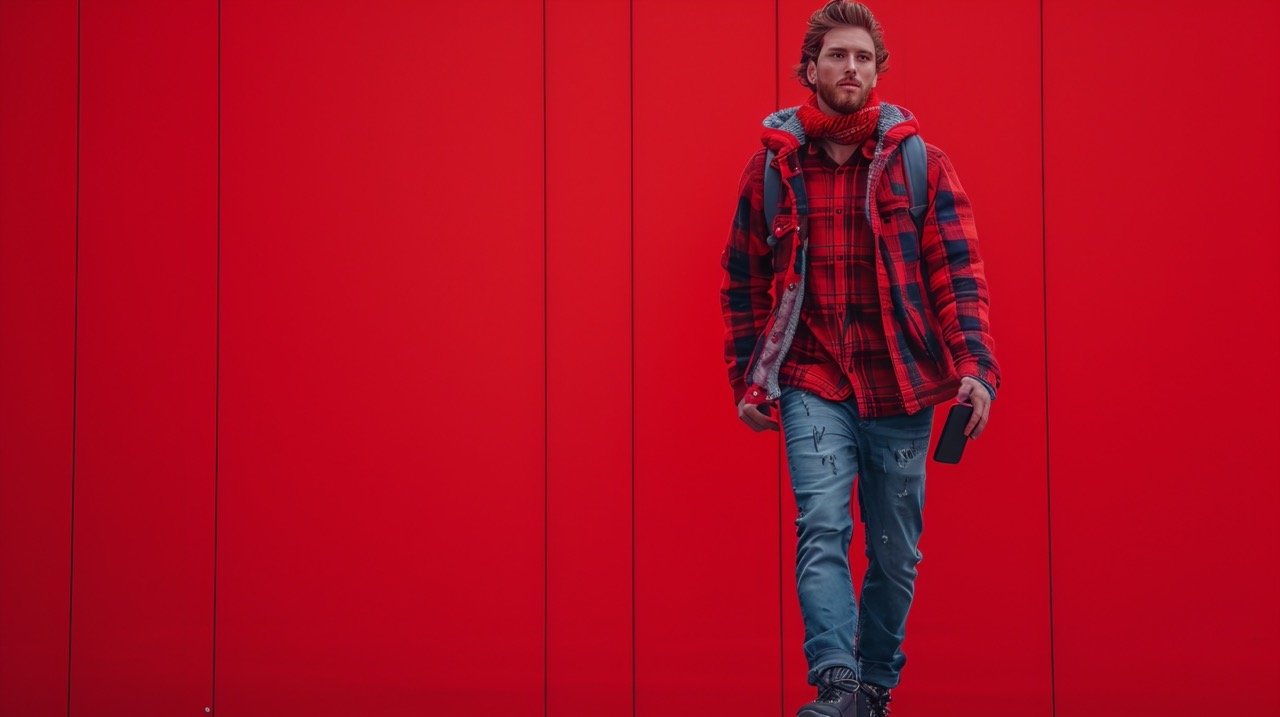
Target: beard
840,100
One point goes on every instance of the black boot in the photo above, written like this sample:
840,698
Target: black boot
838,695
873,700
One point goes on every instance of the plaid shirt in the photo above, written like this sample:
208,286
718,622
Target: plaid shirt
933,300
839,350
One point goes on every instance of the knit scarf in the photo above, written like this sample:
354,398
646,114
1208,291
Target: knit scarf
841,129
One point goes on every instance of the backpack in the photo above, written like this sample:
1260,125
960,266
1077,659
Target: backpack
913,161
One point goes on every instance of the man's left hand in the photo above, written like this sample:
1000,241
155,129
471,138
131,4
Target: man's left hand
972,392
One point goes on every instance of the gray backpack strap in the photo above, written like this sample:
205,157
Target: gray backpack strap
772,194
913,162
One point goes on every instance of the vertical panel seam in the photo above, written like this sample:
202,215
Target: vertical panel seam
631,308
1044,272
75,346
546,392
217,363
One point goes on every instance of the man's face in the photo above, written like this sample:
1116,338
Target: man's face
845,70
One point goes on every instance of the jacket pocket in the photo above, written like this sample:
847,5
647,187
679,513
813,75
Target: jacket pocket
897,226
919,334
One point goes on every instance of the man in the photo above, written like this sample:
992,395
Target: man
869,325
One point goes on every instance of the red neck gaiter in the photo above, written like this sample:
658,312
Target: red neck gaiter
842,129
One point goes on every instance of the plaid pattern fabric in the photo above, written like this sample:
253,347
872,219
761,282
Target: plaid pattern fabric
839,350
933,298
747,292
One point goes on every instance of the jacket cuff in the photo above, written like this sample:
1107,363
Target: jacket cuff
754,394
989,379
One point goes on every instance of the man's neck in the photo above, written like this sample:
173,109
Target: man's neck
839,153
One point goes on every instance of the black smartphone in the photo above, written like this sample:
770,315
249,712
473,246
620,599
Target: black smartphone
951,442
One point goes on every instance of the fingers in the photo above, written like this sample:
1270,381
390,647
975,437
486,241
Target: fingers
981,411
979,420
755,419
974,419
981,403
761,422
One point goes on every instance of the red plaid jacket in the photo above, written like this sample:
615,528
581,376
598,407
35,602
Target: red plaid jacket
933,292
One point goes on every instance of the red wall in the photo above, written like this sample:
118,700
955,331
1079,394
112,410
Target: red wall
142,580
38,164
1160,155
364,359
589,490
381,474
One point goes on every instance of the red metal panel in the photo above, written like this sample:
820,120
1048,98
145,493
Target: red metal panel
1161,156
37,314
970,73
142,590
589,567
707,520
381,485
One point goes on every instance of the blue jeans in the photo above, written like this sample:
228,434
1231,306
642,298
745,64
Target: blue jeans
828,447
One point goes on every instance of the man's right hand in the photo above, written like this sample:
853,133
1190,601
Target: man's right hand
755,418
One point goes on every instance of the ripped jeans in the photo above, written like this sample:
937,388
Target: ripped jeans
828,446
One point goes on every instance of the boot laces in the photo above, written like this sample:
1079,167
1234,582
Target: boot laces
878,699
838,688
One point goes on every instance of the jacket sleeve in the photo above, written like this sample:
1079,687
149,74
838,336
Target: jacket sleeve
747,260
955,274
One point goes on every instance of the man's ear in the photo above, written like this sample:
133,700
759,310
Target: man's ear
811,71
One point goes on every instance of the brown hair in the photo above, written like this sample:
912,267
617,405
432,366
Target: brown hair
839,13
